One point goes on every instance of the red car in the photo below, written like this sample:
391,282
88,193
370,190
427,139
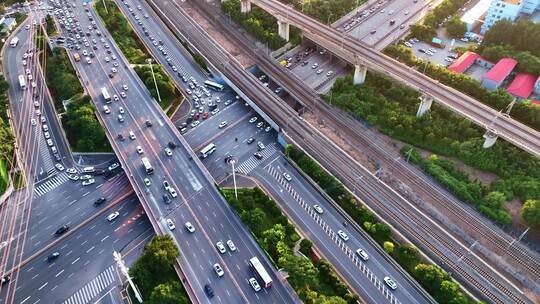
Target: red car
196,117
205,115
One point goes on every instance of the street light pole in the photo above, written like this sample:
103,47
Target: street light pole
154,76
122,266
234,178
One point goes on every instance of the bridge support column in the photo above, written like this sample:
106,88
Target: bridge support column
359,74
283,30
245,6
425,104
491,138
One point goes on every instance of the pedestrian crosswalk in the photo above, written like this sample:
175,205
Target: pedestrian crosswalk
50,184
94,288
45,156
247,166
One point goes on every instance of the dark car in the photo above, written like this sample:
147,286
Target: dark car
5,280
189,120
121,137
148,123
209,291
100,201
166,199
171,145
258,155
111,75
421,50
53,256
61,230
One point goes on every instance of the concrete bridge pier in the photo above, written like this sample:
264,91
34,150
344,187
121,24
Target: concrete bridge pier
245,6
359,74
283,29
425,104
491,138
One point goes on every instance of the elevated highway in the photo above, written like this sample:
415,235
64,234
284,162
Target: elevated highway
363,57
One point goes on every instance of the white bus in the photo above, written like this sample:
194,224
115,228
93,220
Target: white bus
206,151
214,85
147,166
22,82
14,42
260,272
105,94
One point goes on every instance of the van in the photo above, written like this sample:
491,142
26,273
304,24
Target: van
88,169
53,150
106,110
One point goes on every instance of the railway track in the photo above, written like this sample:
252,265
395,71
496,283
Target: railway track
428,235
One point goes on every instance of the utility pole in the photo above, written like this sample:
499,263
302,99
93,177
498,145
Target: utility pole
105,6
519,238
469,250
122,266
149,60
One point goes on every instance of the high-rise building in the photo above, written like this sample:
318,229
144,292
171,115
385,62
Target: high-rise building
508,9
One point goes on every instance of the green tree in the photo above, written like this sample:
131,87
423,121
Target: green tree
430,276
388,247
302,272
322,299
455,27
253,219
407,255
271,237
531,211
305,246
168,293
451,293
162,252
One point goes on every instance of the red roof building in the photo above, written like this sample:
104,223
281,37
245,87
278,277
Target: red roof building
463,62
498,73
522,86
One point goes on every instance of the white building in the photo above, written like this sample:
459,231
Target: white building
474,16
508,9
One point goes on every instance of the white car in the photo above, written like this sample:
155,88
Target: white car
222,124
71,171
254,284
33,122
168,151
343,235
147,182
88,182
189,227
362,254
112,216
59,167
170,224
115,97
287,176
140,150
220,247
253,119
121,110
390,282
123,94
231,245
125,87
318,209
166,185
319,71
219,271
173,192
